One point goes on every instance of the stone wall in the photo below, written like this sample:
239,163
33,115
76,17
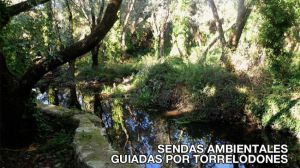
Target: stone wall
91,146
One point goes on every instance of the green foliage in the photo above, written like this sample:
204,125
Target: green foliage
278,110
209,88
24,38
279,65
3,12
112,43
117,114
44,127
278,17
295,69
108,72
168,82
48,125
60,140
144,98
139,42
181,34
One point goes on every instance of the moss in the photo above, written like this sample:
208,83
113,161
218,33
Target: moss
93,147
92,136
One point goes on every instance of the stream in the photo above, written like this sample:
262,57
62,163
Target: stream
139,132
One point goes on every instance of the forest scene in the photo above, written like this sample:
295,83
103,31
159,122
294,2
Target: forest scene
127,75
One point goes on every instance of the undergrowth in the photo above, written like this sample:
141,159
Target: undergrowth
215,93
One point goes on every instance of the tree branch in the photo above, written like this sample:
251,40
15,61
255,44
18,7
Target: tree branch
218,21
215,39
244,11
220,29
36,72
23,7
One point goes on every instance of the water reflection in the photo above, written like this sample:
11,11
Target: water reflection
61,96
43,97
146,132
138,132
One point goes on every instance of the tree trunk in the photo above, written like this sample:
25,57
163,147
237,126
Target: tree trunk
18,129
218,22
95,22
220,29
95,62
241,20
123,43
15,130
98,111
224,58
161,44
157,47
128,11
214,40
73,98
73,102
56,98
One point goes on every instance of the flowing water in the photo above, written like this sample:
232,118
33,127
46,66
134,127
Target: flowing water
139,132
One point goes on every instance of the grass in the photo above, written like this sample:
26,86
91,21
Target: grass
107,72
279,108
167,82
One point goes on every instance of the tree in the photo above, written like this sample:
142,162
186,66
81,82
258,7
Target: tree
7,12
132,16
124,23
159,21
220,29
93,17
15,91
243,13
278,18
73,93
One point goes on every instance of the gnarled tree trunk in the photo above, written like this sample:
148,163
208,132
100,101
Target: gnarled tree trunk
15,92
13,98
